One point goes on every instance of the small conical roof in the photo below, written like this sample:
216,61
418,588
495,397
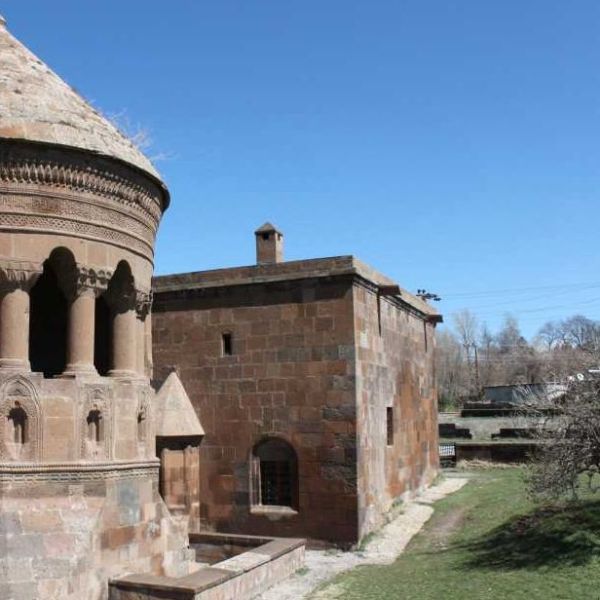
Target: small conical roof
38,106
174,414
267,228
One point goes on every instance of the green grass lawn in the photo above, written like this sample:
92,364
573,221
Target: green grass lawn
488,540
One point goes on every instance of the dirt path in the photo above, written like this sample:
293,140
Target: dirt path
384,548
440,531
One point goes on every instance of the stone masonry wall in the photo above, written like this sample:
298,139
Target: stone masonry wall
291,375
63,540
395,369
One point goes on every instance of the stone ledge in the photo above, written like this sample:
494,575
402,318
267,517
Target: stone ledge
115,465
273,511
248,571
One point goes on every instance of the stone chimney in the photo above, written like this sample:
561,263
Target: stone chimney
269,245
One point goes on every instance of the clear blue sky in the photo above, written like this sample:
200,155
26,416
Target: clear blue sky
453,145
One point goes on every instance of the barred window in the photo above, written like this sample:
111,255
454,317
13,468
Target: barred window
274,474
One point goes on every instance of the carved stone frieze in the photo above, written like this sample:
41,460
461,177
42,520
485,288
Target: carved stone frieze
23,164
15,473
82,208
63,226
59,191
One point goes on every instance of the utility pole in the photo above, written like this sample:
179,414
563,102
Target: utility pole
477,382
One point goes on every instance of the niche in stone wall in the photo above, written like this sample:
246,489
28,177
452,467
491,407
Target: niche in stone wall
143,421
21,422
96,425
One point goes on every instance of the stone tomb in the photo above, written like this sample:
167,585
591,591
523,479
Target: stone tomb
79,477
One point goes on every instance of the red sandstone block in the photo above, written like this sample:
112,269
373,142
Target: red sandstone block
324,324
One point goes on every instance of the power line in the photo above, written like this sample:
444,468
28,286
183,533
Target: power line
521,300
542,308
484,293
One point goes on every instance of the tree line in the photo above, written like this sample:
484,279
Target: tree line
471,357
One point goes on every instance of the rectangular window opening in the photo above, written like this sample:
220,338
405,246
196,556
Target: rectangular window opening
390,425
227,344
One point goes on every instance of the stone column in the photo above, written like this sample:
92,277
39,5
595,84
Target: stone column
124,347
16,280
80,342
82,316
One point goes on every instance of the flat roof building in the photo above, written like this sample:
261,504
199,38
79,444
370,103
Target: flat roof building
314,383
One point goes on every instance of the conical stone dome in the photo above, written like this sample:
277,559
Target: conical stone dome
38,106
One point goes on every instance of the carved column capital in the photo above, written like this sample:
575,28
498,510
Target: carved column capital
18,274
93,280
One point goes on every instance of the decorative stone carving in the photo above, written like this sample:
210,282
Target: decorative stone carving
92,278
97,399
16,273
20,166
145,438
143,303
61,193
77,279
18,393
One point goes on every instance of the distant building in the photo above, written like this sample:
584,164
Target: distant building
520,394
314,383
498,428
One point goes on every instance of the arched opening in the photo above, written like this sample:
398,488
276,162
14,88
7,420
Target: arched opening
121,288
102,336
17,419
275,474
94,424
49,312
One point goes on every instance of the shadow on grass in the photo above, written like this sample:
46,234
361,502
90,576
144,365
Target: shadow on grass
568,535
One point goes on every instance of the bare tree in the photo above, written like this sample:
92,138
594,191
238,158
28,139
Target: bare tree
569,451
487,357
452,376
551,335
467,327
471,357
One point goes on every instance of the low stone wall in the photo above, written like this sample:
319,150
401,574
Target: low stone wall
239,578
482,428
509,452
